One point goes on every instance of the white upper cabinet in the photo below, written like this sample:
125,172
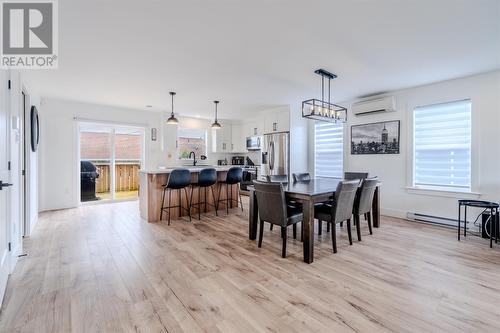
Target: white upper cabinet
276,121
222,139
238,141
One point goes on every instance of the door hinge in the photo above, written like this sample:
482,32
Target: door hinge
8,84
9,247
8,165
23,173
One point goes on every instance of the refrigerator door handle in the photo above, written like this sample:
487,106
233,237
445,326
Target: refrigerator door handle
271,158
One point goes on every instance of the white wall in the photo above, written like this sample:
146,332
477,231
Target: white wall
58,169
395,170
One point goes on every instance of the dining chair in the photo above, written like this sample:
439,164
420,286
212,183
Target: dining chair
234,177
274,210
338,210
207,177
364,202
277,178
281,179
301,177
178,179
355,175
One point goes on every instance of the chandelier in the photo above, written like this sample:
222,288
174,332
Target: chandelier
324,110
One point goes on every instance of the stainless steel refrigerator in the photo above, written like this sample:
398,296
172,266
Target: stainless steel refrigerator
275,155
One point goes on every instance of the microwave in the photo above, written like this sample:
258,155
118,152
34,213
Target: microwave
253,142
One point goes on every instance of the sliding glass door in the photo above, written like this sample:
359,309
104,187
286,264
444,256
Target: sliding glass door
110,160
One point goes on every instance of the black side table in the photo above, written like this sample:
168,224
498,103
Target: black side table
492,206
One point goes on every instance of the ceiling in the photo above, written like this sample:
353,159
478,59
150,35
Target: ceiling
262,53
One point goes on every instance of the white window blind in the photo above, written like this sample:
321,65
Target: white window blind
442,145
329,149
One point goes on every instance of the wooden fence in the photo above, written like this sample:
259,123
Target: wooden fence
126,177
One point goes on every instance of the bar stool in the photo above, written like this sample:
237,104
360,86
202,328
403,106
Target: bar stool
177,180
492,206
234,176
206,179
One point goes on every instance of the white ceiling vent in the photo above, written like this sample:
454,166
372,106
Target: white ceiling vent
374,105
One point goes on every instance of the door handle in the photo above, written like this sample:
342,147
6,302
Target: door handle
271,157
2,185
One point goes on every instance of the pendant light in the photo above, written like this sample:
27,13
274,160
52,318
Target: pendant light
172,120
216,124
324,110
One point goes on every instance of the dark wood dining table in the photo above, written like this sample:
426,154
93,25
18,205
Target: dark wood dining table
308,193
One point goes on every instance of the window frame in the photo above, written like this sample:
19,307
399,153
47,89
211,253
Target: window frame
344,159
178,146
442,191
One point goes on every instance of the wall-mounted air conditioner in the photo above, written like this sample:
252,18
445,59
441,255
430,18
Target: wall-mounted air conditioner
374,105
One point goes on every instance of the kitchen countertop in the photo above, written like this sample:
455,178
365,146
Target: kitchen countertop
193,169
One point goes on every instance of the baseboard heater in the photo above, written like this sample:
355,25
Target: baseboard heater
443,221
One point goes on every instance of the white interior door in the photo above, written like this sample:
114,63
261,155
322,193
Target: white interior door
5,178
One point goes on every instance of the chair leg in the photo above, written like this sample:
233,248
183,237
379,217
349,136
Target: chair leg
162,203
283,236
328,227
215,203
341,224
358,227
271,227
205,203
349,234
190,203
187,199
366,216
218,198
169,204
239,192
261,232
179,197
294,228
334,237
320,227
227,198
369,215
199,203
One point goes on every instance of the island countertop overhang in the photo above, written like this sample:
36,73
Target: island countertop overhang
191,169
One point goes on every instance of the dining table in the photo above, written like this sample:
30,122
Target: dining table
307,193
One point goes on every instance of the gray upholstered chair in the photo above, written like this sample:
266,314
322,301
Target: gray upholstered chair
355,175
282,179
363,203
338,210
277,178
273,209
301,177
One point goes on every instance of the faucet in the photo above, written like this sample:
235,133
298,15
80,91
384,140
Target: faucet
194,157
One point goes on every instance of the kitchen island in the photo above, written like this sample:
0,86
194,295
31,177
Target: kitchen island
151,184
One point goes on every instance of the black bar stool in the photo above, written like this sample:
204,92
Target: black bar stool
492,206
234,176
206,179
177,180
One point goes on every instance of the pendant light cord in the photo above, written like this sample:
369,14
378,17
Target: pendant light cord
172,104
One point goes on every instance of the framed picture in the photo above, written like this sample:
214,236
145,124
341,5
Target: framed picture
375,138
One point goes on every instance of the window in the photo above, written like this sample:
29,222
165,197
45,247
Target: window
442,145
191,139
328,150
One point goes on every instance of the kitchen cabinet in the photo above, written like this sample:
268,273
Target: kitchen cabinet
238,138
221,139
277,121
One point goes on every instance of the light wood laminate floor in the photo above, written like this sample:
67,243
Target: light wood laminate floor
101,269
